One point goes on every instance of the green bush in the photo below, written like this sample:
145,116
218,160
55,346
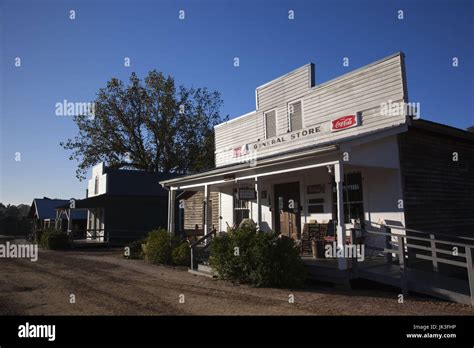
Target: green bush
223,252
136,250
158,247
261,259
37,236
181,254
54,239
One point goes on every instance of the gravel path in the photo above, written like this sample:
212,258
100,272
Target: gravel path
103,283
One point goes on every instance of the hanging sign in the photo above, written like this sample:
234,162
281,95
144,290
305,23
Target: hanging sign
247,194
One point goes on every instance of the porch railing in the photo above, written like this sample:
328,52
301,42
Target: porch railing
408,249
109,236
194,245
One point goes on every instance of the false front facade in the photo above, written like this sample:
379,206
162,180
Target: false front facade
341,154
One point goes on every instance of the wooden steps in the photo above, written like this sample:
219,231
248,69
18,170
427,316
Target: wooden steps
203,270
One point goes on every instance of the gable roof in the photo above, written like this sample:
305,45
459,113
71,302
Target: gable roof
44,208
106,201
123,182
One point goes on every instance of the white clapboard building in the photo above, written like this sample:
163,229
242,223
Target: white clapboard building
348,151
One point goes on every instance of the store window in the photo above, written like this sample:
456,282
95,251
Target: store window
316,205
295,116
96,185
241,209
353,198
270,124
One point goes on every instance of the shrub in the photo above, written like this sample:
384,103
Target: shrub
278,262
136,250
158,247
54,240
37,236
262,259
181,255
223,252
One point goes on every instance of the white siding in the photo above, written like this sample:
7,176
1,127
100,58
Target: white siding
285,88
97,171
361,91
226,205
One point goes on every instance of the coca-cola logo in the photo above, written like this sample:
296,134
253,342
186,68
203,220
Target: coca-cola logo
344,122
240,151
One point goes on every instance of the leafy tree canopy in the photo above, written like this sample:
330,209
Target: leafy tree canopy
150,125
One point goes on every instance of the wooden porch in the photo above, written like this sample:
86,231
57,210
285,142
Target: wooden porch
402,263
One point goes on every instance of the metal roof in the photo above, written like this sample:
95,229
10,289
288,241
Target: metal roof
105,200
44,208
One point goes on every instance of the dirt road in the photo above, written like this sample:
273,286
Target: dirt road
103,283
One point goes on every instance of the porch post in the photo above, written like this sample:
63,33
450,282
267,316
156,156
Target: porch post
206,209
259,205
171,199
341,228
69,224
56,222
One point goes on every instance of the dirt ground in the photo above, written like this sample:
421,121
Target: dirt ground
104,283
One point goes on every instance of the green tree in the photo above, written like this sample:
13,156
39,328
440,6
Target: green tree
150,125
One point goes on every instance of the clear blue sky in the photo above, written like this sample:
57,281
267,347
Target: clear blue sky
65,59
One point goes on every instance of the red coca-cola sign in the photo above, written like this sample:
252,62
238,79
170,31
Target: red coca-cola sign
241,150
344,122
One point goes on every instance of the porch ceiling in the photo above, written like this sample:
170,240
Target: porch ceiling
262,167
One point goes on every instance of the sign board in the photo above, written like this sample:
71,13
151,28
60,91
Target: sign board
240,151
247,194
296,135
315,188
344,122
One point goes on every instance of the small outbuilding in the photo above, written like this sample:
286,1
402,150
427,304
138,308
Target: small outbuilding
121,205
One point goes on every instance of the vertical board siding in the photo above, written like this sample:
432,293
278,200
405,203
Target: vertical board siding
362,91
438,192
193,210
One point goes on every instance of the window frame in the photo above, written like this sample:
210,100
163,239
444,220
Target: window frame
96,185
319,204
240,206
265,122
346,202
288,117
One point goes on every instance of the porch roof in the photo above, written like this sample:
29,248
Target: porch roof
294,155
246,168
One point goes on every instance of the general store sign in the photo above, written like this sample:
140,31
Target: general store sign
336,125
344,122
296,135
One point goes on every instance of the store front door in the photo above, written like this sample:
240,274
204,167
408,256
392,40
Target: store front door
287,209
